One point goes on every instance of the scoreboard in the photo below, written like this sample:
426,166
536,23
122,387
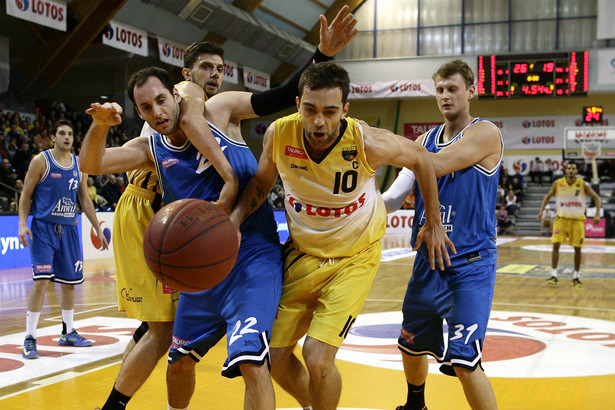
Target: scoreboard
541,75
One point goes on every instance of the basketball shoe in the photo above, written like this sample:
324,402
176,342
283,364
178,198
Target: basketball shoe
577,283
29,348
552,280
73,339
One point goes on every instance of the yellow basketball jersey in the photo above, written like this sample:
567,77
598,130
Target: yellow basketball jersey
570,199
333,207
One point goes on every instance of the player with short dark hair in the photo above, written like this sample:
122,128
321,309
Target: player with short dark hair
51,188
224,112
336,218
571,193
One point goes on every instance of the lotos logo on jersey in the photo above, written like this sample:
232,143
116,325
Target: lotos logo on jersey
94,237
325,212
517,344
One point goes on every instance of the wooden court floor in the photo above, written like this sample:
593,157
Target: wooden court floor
548,347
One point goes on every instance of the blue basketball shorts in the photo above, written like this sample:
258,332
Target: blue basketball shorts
462,297
243,307
56,252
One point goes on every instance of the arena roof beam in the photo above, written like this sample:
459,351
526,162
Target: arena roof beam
54,53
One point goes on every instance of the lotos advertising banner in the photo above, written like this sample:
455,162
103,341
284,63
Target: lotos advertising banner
256,80
536,132
50,13
171,52
393,89
127,38
231,73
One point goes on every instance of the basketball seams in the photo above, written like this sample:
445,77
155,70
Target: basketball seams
209,234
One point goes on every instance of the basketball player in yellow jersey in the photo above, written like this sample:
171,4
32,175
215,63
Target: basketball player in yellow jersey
570,193
336,218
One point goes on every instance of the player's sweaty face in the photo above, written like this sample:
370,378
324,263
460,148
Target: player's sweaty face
208,72
452,94
321,111
157,106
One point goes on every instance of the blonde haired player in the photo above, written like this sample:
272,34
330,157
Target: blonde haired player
571,194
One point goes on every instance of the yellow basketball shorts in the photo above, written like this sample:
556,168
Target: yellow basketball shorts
323,297
571,229
139,293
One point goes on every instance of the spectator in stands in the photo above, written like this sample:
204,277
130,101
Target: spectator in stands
504,177
21,156
111,191
121,184
3,153
547,218
512,206
11,147
536,171
518,189
548,172
92,192
504,223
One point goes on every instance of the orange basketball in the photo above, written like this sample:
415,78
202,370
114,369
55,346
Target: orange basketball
190,245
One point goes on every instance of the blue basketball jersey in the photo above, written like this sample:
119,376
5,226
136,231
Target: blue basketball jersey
467,204
55,196
185,173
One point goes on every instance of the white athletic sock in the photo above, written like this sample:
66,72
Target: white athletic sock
169,407
32,323
575,274
554,272
307,408
67,318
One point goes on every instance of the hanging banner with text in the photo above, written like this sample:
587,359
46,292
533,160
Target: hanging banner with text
171,52
393,89
536,132
231,73
50,13
126,37
254,79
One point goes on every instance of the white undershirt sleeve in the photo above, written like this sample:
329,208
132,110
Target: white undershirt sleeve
399,190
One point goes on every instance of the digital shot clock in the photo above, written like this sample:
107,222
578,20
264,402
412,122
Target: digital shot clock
540,75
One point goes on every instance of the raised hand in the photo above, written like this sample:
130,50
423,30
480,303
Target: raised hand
108,114
334,37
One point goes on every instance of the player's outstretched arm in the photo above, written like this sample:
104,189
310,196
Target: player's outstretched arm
95,159
257,189
481,144
335,36
399,190
384,147
192,122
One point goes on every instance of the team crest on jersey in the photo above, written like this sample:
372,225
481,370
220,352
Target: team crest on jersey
349,153
75,173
